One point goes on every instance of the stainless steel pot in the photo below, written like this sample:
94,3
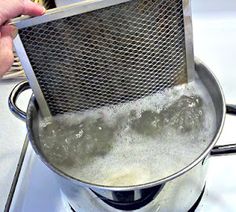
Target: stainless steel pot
177,192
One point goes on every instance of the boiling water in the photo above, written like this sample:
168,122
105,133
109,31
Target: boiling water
132,143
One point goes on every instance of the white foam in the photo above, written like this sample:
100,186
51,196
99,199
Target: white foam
133,158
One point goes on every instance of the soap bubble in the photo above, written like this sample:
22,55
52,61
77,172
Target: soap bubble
148,124
185,114
132,143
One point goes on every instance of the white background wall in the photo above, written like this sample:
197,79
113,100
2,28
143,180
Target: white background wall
198,5
206,6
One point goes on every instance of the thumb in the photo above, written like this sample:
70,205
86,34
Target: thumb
32,9
12,8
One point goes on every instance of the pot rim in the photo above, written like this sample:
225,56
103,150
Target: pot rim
133,187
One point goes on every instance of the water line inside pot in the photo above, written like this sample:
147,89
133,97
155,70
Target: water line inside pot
133,143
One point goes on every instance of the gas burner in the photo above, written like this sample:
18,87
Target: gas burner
122,206
126,200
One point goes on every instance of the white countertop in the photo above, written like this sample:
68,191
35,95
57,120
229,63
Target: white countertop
12,134
215,45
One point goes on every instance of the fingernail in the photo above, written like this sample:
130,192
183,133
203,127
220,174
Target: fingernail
14,31
43,8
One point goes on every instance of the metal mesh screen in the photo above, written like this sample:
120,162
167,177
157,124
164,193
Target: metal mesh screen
108,56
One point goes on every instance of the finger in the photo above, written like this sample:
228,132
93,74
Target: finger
6,46
32,9
14,8
9,29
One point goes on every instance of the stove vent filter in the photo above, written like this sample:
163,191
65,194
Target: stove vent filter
102,52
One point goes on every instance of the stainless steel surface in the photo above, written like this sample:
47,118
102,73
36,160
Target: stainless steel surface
177,195
107,56
12,136
188,38
12,101
31,76
83,6
220,187
72,186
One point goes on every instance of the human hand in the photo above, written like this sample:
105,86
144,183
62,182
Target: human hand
10,9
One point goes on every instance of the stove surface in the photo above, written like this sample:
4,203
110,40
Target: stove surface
215,44
38,191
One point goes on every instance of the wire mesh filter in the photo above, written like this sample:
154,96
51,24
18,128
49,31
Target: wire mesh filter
108,56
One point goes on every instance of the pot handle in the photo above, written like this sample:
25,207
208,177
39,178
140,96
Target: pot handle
231,109
17,90
222,150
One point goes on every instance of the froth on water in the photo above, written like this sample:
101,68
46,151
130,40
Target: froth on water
132,143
